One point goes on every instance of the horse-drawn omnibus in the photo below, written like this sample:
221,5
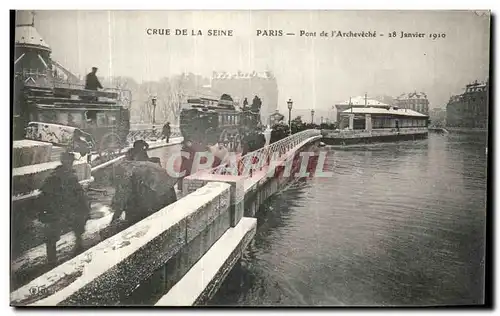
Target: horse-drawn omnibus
218,126
55,113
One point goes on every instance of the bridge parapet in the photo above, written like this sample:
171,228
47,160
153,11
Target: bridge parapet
159,249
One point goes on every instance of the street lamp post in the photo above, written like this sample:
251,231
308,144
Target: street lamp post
312,116
153,102
290,105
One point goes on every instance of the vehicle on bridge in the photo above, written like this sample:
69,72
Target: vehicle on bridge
56,113
211,125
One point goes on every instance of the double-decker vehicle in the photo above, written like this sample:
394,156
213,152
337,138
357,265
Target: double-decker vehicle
206,122
58,112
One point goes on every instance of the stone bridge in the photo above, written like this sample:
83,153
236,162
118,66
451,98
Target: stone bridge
180,255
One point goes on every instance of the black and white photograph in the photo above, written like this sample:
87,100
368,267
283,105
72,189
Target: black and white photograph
249,158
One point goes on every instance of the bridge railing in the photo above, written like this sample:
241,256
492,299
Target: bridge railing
141,131
258,159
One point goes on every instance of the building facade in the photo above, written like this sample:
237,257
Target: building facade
415,101
248,85
469,109
376,118
359,101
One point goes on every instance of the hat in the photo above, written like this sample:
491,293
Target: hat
94,68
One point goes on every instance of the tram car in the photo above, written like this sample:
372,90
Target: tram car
208,122
57,114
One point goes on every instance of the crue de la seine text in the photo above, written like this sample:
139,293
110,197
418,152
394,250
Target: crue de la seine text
190,32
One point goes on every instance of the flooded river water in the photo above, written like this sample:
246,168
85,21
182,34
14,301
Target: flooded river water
397,224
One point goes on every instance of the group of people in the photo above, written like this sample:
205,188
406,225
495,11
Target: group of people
255,106
64,202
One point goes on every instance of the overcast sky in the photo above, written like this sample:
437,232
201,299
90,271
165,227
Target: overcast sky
315,72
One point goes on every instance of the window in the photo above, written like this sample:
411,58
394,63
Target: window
47,116
111,119
90,115
75,119
102,119
62,118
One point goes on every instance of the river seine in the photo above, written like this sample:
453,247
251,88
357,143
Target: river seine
397,224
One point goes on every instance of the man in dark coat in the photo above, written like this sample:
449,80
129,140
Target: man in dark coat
245,104
64,204
139,151
166,131
91,81
256,104
141,188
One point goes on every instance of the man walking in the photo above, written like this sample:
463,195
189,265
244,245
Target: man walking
166,131
64,204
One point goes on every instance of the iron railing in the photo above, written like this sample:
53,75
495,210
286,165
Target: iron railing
256,160
150,133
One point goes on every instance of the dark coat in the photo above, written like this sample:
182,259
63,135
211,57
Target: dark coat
137,154
91,82
141,188
256,104
166,130
63,201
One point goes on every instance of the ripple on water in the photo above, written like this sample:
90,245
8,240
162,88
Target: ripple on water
397,224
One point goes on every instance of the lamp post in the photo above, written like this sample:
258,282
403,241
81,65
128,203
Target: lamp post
290,105
312,116
153,102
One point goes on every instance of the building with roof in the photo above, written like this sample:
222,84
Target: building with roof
369,118
360,124
32,58
469,109
416,101
357,102
247,85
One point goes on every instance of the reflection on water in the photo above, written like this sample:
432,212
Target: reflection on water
398,224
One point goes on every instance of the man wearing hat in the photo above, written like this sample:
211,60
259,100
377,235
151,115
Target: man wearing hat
91,81
63,204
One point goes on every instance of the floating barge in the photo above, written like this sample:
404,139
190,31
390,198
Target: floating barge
382,123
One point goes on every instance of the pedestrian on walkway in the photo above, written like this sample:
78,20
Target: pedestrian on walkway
166,131
63,204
